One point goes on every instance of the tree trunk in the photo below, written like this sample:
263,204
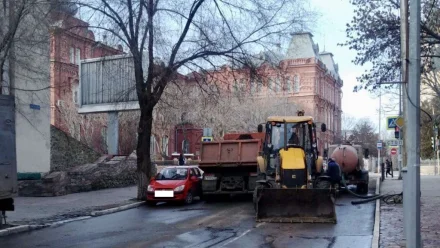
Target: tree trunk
144,168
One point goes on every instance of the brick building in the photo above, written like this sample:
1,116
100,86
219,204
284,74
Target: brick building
70,42
304,76
185,138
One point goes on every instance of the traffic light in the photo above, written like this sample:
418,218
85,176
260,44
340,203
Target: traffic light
396,132
433,143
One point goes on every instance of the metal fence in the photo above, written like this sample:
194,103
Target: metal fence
427,162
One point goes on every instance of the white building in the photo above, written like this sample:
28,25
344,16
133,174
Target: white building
26,75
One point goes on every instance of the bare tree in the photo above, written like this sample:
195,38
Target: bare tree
364,134
348,121
19,39
165,37
227,113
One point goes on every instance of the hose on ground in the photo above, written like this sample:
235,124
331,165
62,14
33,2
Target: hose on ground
388,199
353,193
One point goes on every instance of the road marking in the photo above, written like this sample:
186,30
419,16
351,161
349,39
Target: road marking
234,239
246,232
260,224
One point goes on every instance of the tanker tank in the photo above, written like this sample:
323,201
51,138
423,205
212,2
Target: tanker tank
347,158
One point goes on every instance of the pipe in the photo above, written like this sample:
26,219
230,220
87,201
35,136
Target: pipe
353,193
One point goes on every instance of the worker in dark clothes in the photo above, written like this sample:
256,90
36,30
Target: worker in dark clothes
389,168
333,171
181,159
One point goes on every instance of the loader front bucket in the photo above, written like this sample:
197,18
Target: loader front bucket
295,205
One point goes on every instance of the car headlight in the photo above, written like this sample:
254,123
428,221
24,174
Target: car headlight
150,188
179,188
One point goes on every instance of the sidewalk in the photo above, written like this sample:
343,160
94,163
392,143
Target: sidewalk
391,216
42,210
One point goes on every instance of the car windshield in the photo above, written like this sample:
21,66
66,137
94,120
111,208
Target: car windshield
172,174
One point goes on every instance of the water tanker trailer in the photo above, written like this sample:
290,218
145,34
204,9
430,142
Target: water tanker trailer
349,157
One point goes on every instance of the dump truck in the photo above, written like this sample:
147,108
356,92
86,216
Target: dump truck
350,160
293,188
230,165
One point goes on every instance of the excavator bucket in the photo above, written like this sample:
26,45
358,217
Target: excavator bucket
295,205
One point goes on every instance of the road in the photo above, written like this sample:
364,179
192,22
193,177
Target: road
228,223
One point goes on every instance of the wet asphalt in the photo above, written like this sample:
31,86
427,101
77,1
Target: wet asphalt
226,223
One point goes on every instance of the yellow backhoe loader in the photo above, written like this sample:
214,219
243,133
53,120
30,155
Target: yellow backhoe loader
291,187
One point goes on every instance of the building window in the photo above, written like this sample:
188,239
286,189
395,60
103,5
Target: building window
259,84
252,86
78,56
269,85
75,94
288,84
72,55
152,145
235,86
296,84
165,145
185,146
242,86
317,86
277,85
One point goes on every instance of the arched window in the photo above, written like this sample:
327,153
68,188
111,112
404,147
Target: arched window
269,85
259,85
277,84
288,84
296,84
165,140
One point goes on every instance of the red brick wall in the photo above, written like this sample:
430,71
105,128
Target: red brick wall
64,79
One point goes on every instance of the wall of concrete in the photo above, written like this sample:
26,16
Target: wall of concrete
29,75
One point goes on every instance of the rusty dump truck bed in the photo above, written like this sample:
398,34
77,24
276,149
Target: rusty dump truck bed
231,152
230,166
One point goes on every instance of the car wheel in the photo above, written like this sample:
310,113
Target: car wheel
151,203
189,198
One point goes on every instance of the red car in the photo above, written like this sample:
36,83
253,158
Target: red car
175,183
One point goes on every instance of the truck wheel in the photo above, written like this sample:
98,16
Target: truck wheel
362,188
323,184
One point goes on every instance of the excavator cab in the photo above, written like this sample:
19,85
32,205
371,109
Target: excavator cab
291,189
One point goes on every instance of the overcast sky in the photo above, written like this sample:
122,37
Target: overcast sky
329,31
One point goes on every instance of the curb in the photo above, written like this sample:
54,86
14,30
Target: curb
15,229
117,209
59,223
27,228
376,229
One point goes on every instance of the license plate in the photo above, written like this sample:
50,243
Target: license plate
163,193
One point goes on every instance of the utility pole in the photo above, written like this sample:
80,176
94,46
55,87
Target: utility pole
404,72
411,186
380,135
